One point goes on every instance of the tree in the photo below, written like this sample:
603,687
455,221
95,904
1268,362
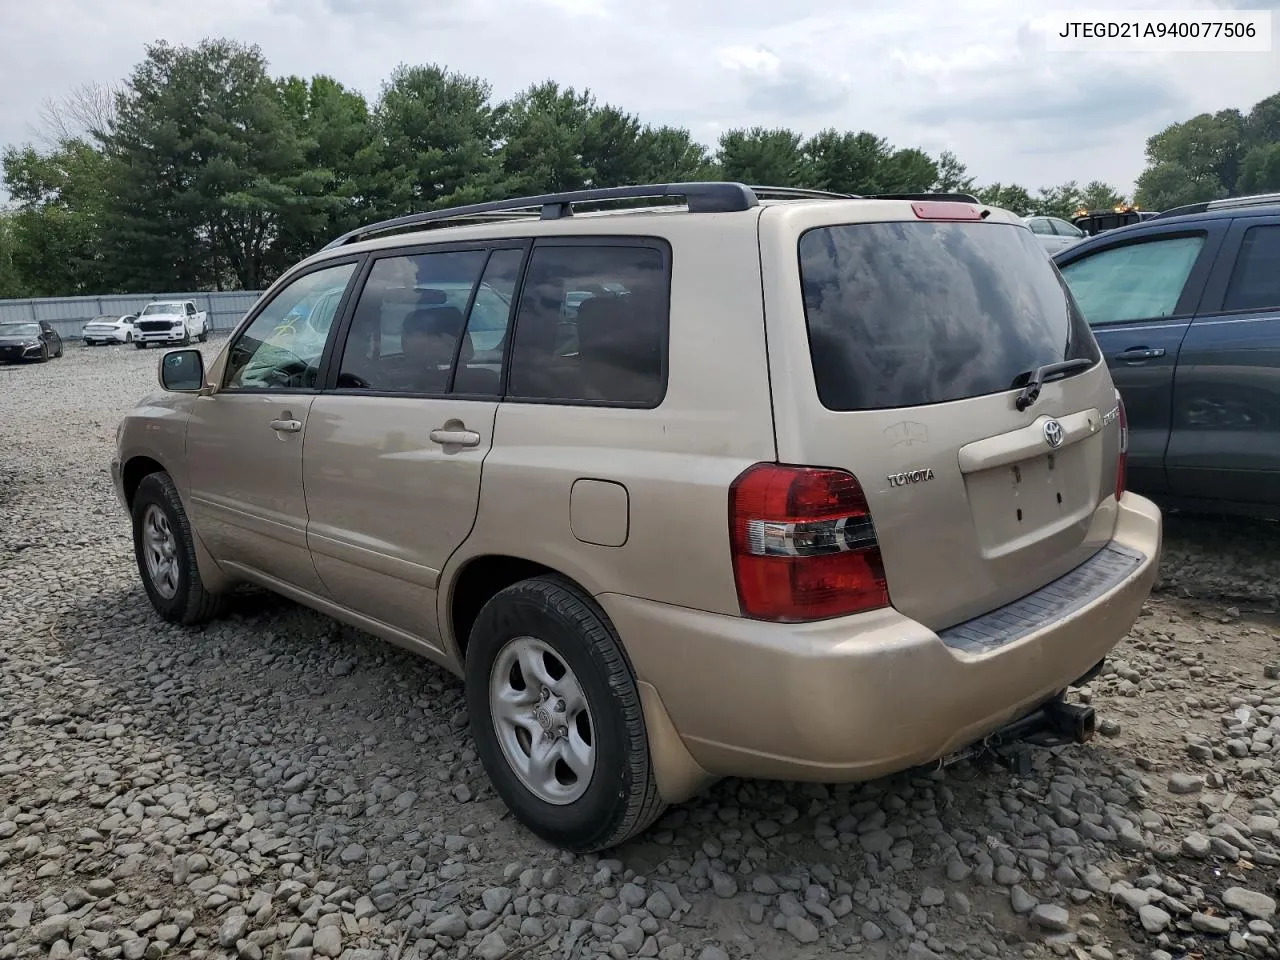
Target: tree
1260,172
1167,185
207,170
55,231
1100,196
86,112
542,135
844,162
908,171
671,154
953,176
11,283
1061,201
762,156
1009,197
437,130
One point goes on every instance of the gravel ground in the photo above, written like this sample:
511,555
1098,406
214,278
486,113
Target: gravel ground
274,785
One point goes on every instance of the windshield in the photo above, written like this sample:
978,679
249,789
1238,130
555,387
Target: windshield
19,329
104,318
161,309
905,314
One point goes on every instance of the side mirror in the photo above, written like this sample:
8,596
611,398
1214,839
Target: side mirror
182,371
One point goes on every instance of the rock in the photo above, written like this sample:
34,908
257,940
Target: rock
932,897
1153,919
802,929
1049,916
1249,902
1021,901
876,841
1218,926
713,953
659,905
327,942
1196,845
451,925
724,886
1185,783
1109,728
632,895
101,887
53,928
918,951
492,947
630,939
496,899
233,928
870,932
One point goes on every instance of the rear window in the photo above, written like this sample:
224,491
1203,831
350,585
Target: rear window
905,314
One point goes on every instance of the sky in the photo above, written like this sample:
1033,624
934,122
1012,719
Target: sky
972,76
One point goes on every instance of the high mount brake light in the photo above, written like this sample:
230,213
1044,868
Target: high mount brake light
804,545
947,210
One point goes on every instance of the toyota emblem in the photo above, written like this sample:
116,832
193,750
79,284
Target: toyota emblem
1053,433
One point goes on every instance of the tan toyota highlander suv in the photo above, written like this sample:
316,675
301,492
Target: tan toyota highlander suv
747,482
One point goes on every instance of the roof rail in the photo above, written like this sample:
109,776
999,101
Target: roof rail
800,193
954,197
1227,203
701,197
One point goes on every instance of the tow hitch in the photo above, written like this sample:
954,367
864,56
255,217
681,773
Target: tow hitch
1052,724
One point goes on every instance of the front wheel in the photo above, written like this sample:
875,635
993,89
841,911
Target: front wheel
186,339
204,335
44,354
164,547
556,717
140,344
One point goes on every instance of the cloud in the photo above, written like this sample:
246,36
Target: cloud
972,76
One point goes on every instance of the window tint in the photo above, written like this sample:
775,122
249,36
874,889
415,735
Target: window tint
281,348
479,369
903,314
1136,281
1255,281
1064,229
407,323
592,325
1040,225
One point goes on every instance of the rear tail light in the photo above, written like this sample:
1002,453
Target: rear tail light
1122,462
804,546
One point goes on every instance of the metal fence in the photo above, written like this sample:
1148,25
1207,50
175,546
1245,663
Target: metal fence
69,314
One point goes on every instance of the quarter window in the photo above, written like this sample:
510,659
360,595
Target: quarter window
282,347
1136,281
1255,281
592,326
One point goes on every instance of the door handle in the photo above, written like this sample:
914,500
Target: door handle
1140,353
455,438
286,426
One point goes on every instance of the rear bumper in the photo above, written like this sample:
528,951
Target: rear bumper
864,696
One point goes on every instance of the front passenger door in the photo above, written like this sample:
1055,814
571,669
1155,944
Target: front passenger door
245,440
1139,294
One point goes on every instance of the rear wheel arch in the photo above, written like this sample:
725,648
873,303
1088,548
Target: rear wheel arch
479,579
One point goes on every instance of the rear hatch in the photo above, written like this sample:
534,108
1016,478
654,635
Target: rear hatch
902,336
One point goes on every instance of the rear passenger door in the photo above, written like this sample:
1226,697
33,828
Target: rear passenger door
399,434
1139,294
1225,443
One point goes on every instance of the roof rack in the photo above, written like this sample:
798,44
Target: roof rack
800,193
706,197
1227,203
953,197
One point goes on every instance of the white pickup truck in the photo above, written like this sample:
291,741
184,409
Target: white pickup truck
170,322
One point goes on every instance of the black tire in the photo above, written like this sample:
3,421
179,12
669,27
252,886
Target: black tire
140,344
191,603
44,354
186,338
60,348
621,799
204,334
128,337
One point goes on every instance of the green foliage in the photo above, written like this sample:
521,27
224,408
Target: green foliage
203,171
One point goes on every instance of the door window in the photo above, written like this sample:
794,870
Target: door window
1255,280
592,325
407,325
1064,229
1040,226
1136,281
281,348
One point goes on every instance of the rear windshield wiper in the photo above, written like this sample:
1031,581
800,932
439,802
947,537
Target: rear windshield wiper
1037,377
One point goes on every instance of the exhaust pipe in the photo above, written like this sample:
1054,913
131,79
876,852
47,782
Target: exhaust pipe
1072,720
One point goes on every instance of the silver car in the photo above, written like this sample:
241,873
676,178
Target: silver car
1053,233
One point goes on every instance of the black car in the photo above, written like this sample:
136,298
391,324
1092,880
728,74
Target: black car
1186,308
30,340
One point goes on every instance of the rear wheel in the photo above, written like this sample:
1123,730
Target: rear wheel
164,547
128,338
140,344
556,716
